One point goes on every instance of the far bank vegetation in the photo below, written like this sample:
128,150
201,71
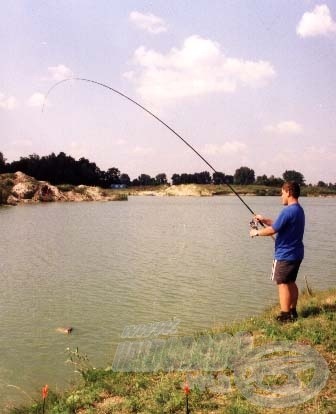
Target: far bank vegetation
67,179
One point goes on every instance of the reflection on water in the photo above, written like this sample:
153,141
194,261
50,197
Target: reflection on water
101,266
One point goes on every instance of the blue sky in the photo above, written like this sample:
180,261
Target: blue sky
247,82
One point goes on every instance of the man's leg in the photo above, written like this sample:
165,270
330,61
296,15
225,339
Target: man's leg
288,296
294,294
285,275
284,297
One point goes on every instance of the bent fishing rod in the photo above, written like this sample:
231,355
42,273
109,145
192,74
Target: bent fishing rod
153,115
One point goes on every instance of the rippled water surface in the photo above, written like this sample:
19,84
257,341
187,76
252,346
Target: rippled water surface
101,266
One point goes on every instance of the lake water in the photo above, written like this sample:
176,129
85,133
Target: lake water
99,267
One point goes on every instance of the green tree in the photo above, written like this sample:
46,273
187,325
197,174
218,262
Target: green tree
187,178
161,179
88,171
125,180
321,184
244,176
292,175
113,176
135,182
218,177
262,180
176,179
2,163
145,179
274,181
229,179
203,177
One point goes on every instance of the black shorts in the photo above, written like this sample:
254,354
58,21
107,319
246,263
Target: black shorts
285,271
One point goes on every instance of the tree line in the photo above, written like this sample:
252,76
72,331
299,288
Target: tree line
64,169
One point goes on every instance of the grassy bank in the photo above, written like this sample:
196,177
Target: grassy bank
104,391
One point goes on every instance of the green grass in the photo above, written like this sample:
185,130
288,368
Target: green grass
104,391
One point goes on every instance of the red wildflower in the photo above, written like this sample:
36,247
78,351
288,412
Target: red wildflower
45,391
186,388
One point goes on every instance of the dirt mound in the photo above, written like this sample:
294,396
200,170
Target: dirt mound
26,189
192,190
186,190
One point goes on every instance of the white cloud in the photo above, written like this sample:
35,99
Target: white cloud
22,143
138,150
199,67
316,23
9,103
60,72
129,75
285,128
230,147
36,100
315,154
148,22
315,162
120,142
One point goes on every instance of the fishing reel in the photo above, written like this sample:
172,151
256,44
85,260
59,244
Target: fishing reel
254,224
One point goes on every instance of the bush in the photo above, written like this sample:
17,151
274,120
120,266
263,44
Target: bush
273,192
6,185
4,194
81,189
65,187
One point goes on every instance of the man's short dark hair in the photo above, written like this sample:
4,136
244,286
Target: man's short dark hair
293,188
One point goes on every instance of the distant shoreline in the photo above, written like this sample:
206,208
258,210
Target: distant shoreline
210,190
19,188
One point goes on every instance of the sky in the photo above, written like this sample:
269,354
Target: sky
246,82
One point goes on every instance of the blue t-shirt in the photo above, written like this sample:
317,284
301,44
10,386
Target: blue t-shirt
290,228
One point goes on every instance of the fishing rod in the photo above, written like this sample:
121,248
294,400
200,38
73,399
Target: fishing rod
153,115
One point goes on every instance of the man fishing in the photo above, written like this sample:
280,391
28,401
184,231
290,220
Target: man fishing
289,249
289,225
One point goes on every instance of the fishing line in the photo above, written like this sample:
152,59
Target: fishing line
153,115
